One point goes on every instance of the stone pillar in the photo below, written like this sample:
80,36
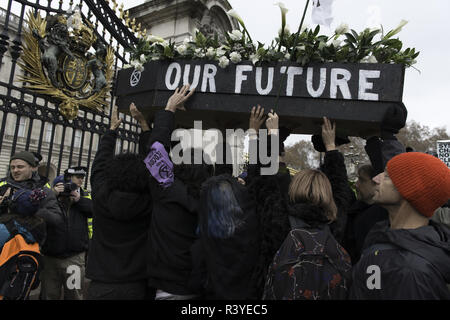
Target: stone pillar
178,19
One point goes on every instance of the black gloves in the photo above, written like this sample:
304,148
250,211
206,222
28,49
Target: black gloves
394,119
320,147
283,134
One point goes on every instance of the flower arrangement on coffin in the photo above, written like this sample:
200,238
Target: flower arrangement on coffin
303,47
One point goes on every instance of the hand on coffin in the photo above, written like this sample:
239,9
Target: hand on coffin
272,122
139,117
177,100
328,134
115,120
256,118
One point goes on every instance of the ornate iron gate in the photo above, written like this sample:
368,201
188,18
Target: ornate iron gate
29,121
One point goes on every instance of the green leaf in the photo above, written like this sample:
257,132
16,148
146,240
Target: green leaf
350,38
316,30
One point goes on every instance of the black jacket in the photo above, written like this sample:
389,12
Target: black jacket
223,268
414,264
335,170
361,218
48,209
174,224
120,223
70,236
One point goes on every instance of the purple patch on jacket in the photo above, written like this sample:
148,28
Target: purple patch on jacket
159,165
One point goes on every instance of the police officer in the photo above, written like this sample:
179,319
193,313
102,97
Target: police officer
67,243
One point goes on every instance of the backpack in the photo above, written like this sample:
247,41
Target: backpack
20,265
309,265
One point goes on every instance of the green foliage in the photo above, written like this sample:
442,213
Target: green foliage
368,46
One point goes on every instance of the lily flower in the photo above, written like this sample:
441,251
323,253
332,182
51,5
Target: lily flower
396,30
341,29
232,13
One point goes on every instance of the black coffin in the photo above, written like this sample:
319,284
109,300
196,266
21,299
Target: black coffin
356,96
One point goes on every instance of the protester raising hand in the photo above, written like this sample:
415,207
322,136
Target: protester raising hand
139,117
115,120
256,118
328,134
177,100
272,122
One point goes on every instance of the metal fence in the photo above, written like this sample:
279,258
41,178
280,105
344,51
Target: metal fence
29,121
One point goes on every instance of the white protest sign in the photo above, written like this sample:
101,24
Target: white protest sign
443,151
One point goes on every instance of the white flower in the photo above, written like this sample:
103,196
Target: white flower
224,62
343,28
287,30
283,8
137,65
181,49
187,40
220,52
235,35
337,43
235,57
142,58
287,56
398,29
199,53
372,59
322,44
233,13
211,53
369,59
301,48
254,58
152,38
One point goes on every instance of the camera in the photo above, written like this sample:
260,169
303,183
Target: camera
69,186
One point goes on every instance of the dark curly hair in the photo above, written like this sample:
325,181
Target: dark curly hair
272,207
193,175
128,173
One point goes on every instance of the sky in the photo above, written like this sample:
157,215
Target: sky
426,91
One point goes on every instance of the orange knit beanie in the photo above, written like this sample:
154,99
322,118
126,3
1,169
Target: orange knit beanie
423,180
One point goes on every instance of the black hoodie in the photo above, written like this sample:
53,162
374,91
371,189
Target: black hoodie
120,223
414,264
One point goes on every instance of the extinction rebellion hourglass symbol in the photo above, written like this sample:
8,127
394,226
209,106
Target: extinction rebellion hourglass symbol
135,78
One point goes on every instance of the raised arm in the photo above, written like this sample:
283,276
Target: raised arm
145,134
334,168
381,149
158,161
105,152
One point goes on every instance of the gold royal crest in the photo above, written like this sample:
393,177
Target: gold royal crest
58,63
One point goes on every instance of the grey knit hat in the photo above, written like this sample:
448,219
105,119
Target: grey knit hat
25,156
